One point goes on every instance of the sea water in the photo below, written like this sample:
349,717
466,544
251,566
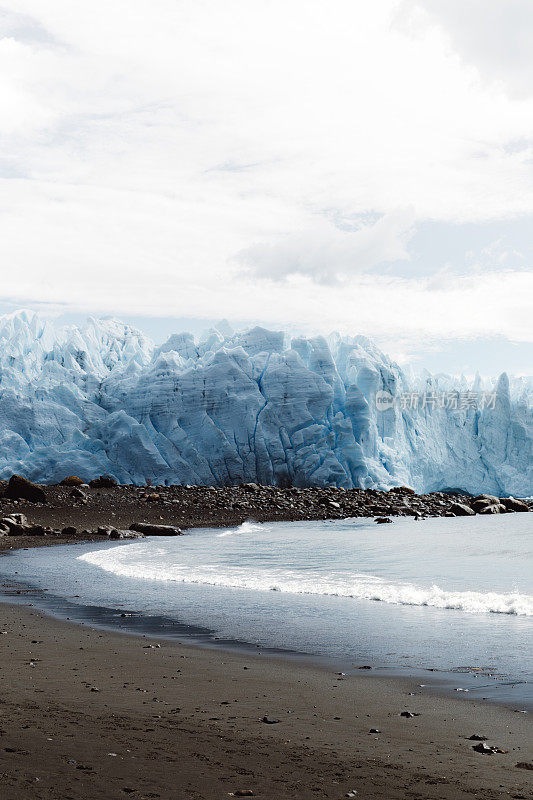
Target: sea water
450,593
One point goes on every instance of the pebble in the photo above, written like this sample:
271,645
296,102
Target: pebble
486,749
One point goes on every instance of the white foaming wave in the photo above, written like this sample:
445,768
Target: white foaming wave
245,527
360,586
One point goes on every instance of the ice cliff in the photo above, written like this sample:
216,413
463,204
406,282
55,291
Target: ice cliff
255,406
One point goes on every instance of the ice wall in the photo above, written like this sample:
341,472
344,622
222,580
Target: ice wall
253,406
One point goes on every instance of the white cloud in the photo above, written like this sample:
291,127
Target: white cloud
149,144
496,36
327,254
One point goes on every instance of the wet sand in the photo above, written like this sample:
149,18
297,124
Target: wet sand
96,714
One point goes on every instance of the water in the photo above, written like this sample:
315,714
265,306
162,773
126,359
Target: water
452,594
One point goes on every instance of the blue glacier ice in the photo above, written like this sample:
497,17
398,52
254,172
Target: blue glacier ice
252,406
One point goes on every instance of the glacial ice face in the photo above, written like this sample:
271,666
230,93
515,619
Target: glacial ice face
240,407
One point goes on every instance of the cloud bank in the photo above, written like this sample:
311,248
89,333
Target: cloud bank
162,159
495,36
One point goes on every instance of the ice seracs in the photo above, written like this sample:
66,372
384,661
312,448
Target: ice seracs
255,406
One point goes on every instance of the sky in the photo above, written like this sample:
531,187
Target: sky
314,166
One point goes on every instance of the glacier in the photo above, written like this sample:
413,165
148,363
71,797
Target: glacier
253,406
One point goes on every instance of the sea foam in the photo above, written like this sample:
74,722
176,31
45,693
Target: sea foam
149,563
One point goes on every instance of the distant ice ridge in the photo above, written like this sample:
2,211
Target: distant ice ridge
245,407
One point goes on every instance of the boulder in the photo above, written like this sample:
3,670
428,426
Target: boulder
14,524
484,501
71,480
490,498
17,525
36,530
461,510
16,530
149,529
511,504
103,482
20,488
493,508
78,494
115,533
16,518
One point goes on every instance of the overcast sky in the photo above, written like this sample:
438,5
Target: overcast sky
341,165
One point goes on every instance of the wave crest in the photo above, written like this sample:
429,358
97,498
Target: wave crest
359,586
246,527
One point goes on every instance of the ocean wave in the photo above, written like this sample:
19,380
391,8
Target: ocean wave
359,586
246,527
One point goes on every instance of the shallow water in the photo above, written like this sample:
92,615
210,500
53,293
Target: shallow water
453,594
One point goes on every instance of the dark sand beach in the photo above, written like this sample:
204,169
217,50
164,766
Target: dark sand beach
93,714
88,713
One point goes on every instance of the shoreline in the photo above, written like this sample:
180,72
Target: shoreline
437,682
92,713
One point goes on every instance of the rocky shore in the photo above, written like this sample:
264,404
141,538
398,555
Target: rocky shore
93,713
74,510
